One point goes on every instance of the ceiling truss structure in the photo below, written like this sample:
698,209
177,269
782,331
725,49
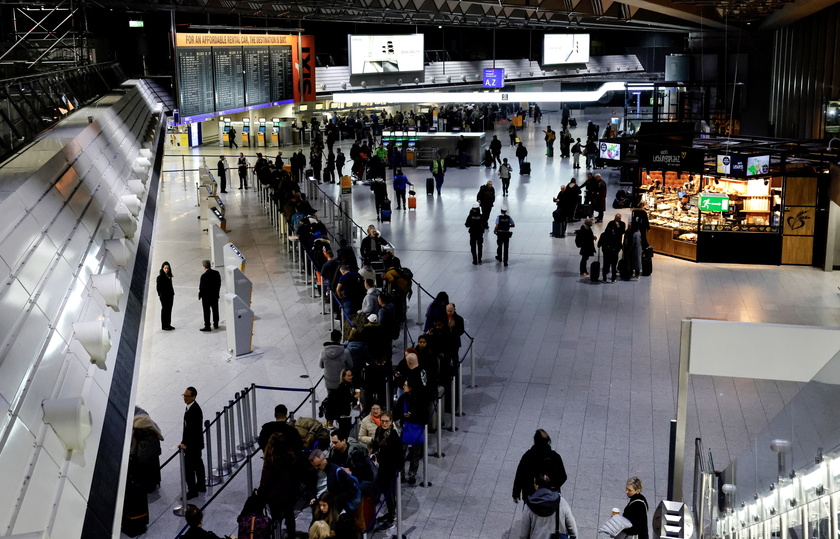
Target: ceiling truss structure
45,36
659,15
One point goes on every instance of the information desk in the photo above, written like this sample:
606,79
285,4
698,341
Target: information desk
444,142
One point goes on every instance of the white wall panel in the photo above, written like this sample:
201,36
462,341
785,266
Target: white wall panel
37,264
22,353
55,288
19,240
96,401
44,381
79,200
35,510
12,303
31,192
49,206
12,210
67,184
78,245
13,460
67,519
72,312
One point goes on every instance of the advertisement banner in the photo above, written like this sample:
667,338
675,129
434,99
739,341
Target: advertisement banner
657,157
386,54
565,49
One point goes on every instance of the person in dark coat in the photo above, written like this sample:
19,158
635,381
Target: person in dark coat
192,444
222,168
486,197
585,239
539,520
387,449
636,509
639,218
280,481
316,162
412,407
339,162
166,293
208,292
572,199
560,214
610,243
475,225
290,434
600,198
521,154
537,461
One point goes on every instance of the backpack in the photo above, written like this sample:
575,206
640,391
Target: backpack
405,273
311,431
357,491
579,238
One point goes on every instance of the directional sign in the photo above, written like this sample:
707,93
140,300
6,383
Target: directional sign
494,77
714,202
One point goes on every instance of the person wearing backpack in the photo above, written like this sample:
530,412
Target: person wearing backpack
577,149
546,513
505,170
585,239
325,476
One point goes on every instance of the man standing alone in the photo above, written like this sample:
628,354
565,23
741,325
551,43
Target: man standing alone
192,443
438,170
222,170
208,293
475,225
232,138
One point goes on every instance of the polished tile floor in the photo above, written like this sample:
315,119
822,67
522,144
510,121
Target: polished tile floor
593,364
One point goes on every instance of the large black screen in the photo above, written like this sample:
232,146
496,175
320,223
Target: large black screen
230,86
257,75
281,73
195,73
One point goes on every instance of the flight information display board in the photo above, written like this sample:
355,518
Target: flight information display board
222,74
257,71
281,73
230,86
195,71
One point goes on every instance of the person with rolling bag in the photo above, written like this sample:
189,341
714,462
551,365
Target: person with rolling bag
610,243
585,240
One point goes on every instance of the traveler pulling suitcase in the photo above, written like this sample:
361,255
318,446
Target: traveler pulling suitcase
526,168
430,186
385,213
595,269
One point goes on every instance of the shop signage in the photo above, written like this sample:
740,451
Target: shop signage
714,202
742,166
655,157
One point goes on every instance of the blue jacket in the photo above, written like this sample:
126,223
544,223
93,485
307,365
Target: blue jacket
400,181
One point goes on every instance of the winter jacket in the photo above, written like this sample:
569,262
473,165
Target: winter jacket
538,520
334,358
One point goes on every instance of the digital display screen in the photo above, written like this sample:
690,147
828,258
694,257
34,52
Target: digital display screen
758,165
386,54
195,74
565,49
610,150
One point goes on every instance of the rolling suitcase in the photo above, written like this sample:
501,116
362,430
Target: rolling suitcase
595,269
385,212
572,122
526,168
557,229
412,203
583,211
647,263
624,269
430,186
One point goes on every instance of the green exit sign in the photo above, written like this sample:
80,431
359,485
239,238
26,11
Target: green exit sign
135,24
714,203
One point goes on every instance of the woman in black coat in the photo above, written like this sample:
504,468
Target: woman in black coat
280,481
586,241
636,509
166,293
387,449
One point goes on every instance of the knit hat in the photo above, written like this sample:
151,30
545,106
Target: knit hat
373,319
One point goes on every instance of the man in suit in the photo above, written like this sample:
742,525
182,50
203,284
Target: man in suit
192,443
208,293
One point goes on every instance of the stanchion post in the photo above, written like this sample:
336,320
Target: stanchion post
250,472
235,455
221,466
387,395
238,404
460,389
332,313
472,364
440,452
254,434
314,403
420,307
452,403
399,505
211,479
229,459
246,416
425,482
179,510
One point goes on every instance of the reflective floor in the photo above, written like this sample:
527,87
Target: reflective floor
594,364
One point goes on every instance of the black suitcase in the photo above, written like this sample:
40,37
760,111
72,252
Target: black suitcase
647,263
488,159
572,122
385,210
526,168
595,271
624,269
430,186
583,211
557,229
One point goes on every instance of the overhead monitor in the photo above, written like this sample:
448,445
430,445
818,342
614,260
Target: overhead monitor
385,54
565,49
610,151
758,165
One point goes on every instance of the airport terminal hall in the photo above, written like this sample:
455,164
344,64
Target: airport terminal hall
485,269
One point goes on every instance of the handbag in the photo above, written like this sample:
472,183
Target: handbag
557,534
412,433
